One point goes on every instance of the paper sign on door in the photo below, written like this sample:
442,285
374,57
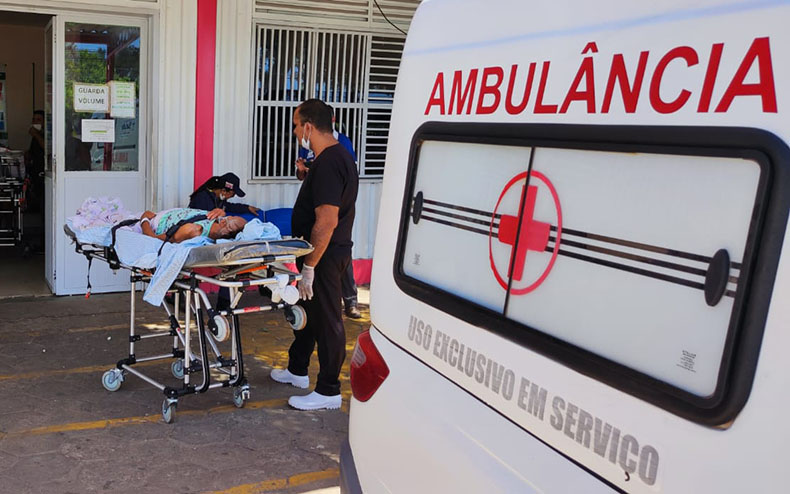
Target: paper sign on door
122,99
98,130
91,97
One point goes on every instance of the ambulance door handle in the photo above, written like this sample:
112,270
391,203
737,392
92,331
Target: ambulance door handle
716,277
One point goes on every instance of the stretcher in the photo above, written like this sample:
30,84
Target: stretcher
190,314
11,219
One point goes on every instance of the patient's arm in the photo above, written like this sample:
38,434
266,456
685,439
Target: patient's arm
184,232
146,226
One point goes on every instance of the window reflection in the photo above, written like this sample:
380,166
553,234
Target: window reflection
97,55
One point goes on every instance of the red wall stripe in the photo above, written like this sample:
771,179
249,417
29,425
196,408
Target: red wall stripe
204,90
362,270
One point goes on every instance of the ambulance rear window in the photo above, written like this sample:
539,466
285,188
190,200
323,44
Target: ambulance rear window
628,261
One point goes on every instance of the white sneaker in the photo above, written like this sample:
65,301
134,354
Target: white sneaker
315,401
284,376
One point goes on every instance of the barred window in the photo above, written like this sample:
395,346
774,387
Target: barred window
353,72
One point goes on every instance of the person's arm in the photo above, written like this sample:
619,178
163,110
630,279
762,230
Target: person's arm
238,208
301,169
326,218
38,136
145,224
185,232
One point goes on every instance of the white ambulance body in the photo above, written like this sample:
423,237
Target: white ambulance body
580,282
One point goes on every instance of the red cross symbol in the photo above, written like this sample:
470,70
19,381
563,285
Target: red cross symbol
533,235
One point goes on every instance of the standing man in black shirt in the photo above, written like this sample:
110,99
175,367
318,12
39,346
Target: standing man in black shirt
324,216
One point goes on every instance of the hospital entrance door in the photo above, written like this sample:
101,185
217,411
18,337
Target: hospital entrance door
100,104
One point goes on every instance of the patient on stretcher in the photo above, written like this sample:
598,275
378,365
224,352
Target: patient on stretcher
157,225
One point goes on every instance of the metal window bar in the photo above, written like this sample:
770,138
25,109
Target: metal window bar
285,125
295,64
384,60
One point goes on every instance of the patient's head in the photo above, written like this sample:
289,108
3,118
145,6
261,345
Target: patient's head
227,227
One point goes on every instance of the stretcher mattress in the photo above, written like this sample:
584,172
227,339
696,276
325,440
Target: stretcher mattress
233,252
219,254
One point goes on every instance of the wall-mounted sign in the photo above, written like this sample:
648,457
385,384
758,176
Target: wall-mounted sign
98,130
91,97
122,99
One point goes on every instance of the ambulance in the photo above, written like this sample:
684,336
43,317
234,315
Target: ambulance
580,280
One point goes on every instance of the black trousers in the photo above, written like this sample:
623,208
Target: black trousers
349,287
324,324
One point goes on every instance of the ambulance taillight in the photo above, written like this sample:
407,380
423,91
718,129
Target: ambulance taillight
368,369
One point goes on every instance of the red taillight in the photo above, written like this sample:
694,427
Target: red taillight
368,369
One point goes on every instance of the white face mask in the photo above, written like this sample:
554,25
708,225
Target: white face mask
37,127
306,142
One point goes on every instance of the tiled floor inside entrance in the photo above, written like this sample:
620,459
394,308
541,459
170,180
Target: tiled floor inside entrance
21,276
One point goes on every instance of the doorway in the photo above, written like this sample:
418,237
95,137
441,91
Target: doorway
90,89
23,143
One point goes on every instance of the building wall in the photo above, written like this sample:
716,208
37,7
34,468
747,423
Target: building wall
233,122
174,139
172,117
22,50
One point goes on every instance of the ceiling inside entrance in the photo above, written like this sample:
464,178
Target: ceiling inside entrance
23,18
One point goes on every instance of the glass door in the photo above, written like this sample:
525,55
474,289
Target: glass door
103,60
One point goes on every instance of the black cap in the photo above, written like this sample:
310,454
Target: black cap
231,182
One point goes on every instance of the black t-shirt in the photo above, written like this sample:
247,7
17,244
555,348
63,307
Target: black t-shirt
207,200
332,180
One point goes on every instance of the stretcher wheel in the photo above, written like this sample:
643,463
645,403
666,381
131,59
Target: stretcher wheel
112,379
177,368
169,411
222,328
240,396
296,317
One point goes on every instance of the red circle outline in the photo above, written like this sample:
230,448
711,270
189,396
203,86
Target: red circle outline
542,278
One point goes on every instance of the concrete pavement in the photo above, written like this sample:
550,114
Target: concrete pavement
62,432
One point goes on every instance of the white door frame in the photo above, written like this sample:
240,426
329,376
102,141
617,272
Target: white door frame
49,144
63,247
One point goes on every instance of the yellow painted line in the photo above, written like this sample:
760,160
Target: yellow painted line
146,419
138,323
278,484
77,370
98,328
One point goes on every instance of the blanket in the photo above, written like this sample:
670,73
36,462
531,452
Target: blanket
135,249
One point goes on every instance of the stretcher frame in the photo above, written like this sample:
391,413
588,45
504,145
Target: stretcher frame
193,301
11,191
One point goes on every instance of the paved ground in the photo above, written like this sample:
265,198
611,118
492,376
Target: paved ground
62,432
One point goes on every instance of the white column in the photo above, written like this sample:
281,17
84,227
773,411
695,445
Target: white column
175,149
